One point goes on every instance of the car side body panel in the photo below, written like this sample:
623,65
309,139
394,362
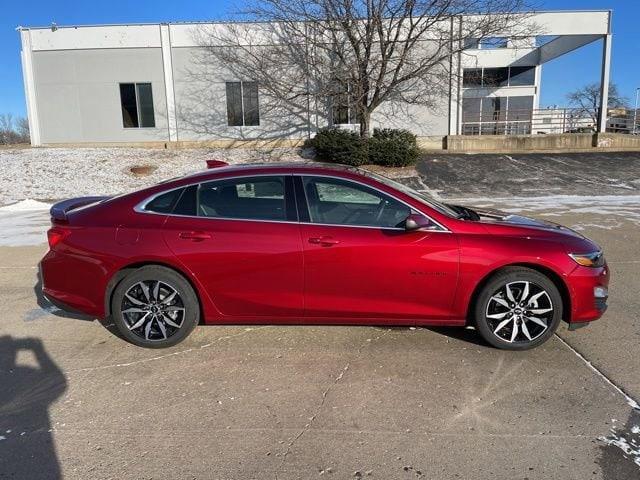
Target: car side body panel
248,268
371,271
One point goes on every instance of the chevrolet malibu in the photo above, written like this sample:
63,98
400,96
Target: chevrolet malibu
315,244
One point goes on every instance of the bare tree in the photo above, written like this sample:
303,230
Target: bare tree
22,129
13,131
587,100
6,128
351,56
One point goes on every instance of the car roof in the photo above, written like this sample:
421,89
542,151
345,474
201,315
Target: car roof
276,166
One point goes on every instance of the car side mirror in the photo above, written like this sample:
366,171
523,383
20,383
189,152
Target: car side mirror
417,222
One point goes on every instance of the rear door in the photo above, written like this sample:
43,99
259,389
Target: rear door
242,240
360,262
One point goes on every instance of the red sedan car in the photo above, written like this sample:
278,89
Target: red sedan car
315,244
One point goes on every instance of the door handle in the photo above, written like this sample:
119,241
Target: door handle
194,236
324,241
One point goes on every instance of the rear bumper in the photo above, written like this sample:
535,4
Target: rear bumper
589,293
72,281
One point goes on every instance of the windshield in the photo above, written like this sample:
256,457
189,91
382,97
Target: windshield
421,197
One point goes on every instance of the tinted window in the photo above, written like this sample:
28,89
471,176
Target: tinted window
129,105
187,204
250,103
136,101
522,76
251,198
471,109
494,108
520,108
145,105
472,77
242,104
495,77
163,203
340,202
234,104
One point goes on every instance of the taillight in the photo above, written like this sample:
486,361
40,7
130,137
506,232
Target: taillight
56,234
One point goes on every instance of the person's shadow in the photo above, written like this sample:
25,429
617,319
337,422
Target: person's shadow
26,391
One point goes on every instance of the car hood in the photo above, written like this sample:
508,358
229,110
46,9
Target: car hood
504,223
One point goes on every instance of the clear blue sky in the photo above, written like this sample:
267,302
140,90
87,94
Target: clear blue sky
559,76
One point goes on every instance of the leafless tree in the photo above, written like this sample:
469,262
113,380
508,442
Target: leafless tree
22,129
587,100
310,55
12,131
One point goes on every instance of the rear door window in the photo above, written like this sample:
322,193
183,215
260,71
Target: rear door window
249,198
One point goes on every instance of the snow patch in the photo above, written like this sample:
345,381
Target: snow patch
62,172
24,223
628,446
626,206
27,205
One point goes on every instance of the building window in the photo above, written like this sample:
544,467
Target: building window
490,43
495,77
498,77
497,115
343,106
136,100
493,114
522,76
242,104
471,43
472,77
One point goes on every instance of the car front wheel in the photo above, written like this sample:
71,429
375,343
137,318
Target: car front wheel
155,307
519,308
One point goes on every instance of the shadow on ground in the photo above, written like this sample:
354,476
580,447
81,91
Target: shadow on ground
27,390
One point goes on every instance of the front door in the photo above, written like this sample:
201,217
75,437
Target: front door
244,246
360,262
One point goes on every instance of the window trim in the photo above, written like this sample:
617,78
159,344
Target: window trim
135,88
140,207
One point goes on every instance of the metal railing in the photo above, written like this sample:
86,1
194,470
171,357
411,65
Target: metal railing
549,121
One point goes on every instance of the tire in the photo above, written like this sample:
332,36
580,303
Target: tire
155,307
534,315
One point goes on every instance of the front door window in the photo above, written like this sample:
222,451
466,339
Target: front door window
334,201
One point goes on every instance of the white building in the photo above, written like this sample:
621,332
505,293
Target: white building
122,84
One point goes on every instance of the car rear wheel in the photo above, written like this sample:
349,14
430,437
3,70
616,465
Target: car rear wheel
155,307
519,308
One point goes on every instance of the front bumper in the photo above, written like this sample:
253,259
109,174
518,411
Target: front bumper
589,293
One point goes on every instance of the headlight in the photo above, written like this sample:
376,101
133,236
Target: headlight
593,259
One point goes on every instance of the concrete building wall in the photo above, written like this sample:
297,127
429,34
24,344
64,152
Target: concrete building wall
78,94
201,103
72,77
